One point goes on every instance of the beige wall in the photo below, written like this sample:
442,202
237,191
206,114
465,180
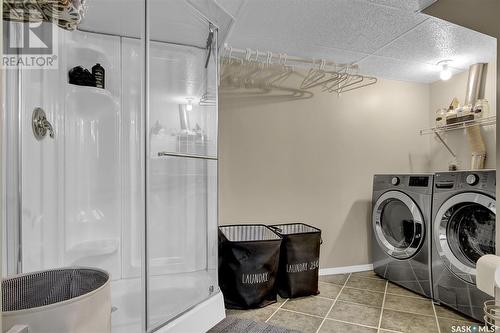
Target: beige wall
441,94
2,194
313,160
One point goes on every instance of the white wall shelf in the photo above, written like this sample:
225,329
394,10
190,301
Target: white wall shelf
90,90
461,125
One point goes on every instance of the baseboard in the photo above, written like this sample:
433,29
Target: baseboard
345,269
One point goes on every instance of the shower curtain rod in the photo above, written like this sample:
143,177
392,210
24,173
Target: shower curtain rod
282,58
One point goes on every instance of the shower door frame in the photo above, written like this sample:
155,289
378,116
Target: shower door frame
11,172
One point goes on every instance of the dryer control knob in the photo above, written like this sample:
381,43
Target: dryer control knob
395,181
472,179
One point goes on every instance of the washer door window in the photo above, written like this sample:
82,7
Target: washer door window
465,226
398,224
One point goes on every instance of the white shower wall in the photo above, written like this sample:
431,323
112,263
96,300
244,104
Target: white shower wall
81,190
71,185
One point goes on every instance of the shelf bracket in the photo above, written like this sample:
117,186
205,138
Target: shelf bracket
445,144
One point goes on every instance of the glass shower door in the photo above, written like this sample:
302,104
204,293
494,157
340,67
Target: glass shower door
128,183
182,162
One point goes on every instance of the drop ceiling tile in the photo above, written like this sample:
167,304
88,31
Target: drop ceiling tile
412,5
436,40
394,69
353,25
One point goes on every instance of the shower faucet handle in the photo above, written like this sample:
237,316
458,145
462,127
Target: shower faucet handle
48,127
41,125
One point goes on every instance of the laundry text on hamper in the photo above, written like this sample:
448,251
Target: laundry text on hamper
302,267
254,278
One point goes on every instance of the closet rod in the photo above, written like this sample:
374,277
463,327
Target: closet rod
282,57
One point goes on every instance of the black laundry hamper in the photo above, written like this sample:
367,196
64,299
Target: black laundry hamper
299,259
248,265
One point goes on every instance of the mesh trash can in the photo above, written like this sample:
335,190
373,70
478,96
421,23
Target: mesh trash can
70,300
299,259
248,265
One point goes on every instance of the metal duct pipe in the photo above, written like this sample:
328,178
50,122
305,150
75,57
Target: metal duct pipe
475,90
476,83
478,147
184,118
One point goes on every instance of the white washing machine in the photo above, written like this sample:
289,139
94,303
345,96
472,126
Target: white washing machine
401,230
464,213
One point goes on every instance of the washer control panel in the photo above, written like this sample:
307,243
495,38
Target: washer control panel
478,179
414,183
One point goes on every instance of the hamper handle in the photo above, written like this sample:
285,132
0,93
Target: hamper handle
275,228
281,230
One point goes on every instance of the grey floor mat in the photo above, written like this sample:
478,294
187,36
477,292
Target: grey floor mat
236,325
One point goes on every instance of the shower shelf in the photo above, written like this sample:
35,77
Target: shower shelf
481,122
90,89
91,103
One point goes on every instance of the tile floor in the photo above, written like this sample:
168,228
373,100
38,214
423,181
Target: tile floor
358,303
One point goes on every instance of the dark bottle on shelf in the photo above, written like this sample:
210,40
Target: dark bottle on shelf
98,72
81,76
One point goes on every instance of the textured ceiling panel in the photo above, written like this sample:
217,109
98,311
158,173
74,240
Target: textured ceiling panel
400,70
411,5
354,25
407,44
436,40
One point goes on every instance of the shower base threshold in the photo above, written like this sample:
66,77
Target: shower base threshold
199,319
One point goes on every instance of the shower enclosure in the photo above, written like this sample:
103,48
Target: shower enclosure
128,180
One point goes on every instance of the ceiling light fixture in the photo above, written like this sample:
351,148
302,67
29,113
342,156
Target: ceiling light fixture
445,73
189,105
